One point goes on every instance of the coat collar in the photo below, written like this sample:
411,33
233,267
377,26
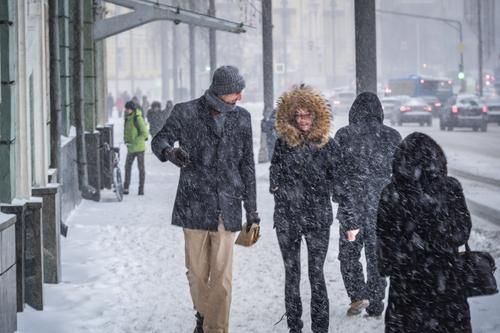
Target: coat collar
205,113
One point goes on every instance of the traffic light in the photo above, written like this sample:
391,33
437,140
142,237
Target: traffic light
461,74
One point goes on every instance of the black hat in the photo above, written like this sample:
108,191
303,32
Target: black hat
130,105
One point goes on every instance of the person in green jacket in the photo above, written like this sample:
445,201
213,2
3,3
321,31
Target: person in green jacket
135,134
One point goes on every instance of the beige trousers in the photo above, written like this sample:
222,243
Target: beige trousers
209,263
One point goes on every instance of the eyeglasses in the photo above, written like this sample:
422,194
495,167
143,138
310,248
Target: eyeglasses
304,116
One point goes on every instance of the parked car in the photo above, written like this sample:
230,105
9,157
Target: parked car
411,110
493,105
389,104
434,103
464,111
341,101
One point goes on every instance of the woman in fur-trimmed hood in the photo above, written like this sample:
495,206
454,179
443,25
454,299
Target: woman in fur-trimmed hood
301,179
303,97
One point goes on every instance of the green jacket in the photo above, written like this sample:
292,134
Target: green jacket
135,132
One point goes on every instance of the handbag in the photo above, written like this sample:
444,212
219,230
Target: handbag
476,270
248,237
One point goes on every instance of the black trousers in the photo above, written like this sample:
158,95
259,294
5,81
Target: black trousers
352,269
317,247
128,169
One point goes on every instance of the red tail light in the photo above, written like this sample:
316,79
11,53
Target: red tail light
428,109
485,109
404,108
454,109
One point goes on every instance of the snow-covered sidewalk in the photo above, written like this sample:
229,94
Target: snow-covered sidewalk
123,270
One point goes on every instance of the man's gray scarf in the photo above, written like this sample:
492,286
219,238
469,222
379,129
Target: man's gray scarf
215,103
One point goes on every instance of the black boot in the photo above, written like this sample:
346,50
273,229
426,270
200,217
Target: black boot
295,325
199,323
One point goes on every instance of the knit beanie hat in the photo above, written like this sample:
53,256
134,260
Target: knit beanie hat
130,105
227,80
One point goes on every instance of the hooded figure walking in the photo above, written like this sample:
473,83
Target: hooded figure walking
366,150
216,158
301,179
422,220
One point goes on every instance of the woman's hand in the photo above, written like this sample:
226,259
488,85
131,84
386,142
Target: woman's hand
351,235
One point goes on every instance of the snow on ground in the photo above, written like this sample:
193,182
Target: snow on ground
123,268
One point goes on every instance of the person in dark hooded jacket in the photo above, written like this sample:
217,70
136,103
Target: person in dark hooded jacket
422,220
301,177
364,165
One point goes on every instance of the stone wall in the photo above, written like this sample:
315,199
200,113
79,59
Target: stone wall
70,193
8,302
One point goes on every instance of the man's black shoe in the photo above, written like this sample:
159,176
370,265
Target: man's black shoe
199,323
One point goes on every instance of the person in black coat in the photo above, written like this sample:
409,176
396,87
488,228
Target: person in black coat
301,179
268,127
422,220
169,105
217,175
364,164
156,118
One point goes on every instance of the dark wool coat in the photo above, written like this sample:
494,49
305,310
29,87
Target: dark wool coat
221,171
156,119
422,220
302,167
366,150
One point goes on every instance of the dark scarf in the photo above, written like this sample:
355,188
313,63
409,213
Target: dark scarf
216,104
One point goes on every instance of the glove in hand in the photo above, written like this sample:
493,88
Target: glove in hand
177,156
251,219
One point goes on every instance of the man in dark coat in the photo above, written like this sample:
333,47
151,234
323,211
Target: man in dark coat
422,221
364,166
216,158
156,118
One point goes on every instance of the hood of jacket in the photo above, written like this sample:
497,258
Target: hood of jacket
304,97
419,159
366,108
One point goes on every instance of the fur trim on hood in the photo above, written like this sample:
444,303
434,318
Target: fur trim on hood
307,98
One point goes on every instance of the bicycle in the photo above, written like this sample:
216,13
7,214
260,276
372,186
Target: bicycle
117,184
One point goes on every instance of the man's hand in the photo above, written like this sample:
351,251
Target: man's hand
178,156
351,235
251,219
